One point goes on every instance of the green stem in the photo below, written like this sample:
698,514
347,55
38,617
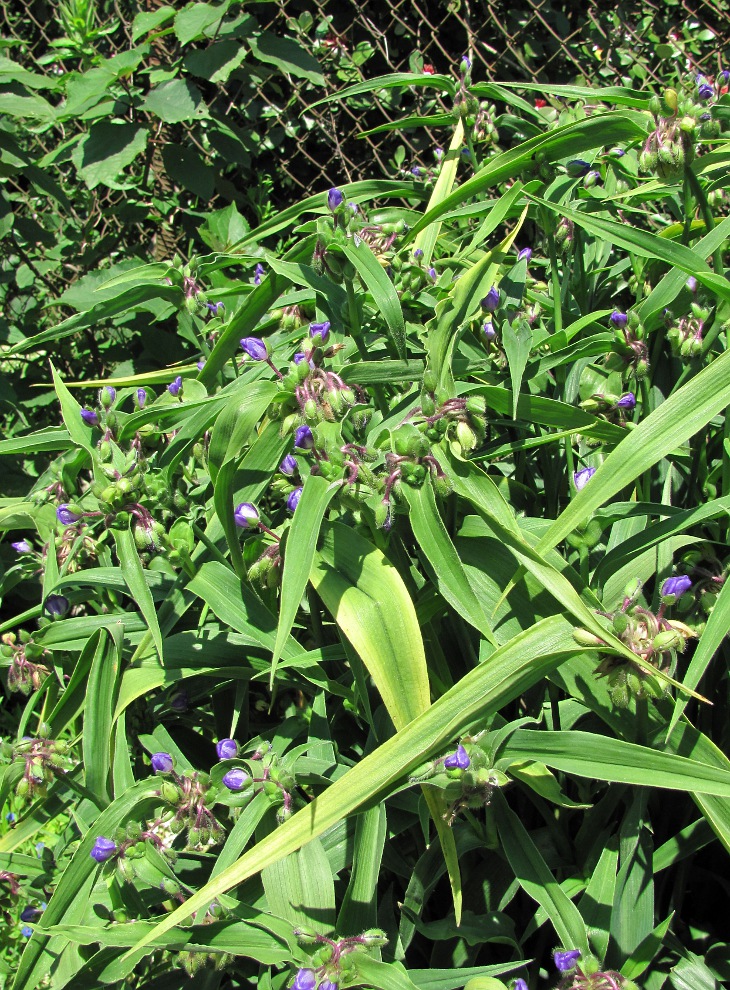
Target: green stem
707,216
687,200
554,274
210,547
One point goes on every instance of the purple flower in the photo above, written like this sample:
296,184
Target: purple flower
258,274
691,283
577,168
525,253
433,274
705,92
215,308
246,515
327,985
236,779
255,348
520,985
293,501
89,417
201,364
416,171
491,300
458,760
57,604
438,154
627,401
724,76
301,356
489,332
582,477
618,152
289,466
619,319
26,932
21,546
175,387
66,515
565,960
353,208
141,397
334,199
304,980
10,818
161,762
418,253
319,330
30,913
227,749
303,438
465,63
675,587
103,849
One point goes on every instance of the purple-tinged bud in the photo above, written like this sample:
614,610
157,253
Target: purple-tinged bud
619,319
582,477
319,332
246,515
525,254
227,749
592,178
10,818
433,274
627,401
175,387
303,438
418,253
201,364
289,466
353,208
301,356
215,308
107,395
415,171
141,397
26,932
438,154
21,546
491,300
489,332
103,849
691,283
304,980
328,985
724,76
57,604
705,92
675,587
465,64
161,762
577,168
180,701
30,913
66,515
520,985
89,417
293,501
236,779
466,153
458,760
334,199
618,152
258,274
255,348
566,960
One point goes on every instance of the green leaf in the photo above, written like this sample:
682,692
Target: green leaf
517,342
393,80
381,288
301,890
372,607
99,710
359,909
536,879
175,101
287,55
299,551
135,580
186,168
106,150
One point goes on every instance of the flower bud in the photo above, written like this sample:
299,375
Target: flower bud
56,605
582,477
175,387
162,762
334,202
491,300
674,587
293,500
458,760
227,749
89,417
68,513
236,779
303,438
246,515
255,348
103,849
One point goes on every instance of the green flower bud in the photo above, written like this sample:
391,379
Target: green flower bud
584,638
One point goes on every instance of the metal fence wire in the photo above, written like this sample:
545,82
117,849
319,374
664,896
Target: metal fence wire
303,149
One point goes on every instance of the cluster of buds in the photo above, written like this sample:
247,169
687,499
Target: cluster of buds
189,795
585,974
651,636
23,658
679,119
185,276
578,168
630,354
608,406
464,777
347,223
43,760
333,961
127,849
275,779
462,419
685,335
413,274
485,129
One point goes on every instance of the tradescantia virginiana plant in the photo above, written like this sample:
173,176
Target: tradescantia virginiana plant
371,626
